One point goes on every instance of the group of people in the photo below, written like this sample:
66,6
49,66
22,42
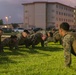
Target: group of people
68,41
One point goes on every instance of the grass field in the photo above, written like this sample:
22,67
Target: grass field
39,61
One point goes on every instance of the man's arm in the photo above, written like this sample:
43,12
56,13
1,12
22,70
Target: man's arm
67,50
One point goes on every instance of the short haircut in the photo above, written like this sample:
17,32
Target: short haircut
53,29
26,31
65,26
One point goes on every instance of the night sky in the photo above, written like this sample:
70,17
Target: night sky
14,8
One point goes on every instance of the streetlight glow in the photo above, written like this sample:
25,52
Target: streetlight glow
6,18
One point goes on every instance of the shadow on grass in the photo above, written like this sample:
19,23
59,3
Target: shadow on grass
4,56
37,48
6,60
73,68
34,51
31,50
8,52
49,48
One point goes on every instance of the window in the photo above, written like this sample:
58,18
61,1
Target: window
26,17
57,6
52,17
64,14
59,13
72,21
56,12
26,11
57,19
64,19
66,8
74,11
60,19
72,15
52,10
61,7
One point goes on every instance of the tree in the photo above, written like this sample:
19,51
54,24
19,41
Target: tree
15,25
1,22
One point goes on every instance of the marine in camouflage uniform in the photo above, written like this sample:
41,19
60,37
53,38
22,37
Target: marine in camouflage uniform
23,38
49,38
11,42
67,44
36,38
57,37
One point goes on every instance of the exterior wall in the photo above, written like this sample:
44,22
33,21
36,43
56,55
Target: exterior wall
47,14
29,15
74,18
50,15
64,14
40,15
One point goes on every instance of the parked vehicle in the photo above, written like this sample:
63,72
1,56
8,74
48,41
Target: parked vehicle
37,29
7,30
18,29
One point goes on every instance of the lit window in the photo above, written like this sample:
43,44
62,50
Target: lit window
74,11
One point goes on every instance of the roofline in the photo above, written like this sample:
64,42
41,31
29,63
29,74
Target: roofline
48,3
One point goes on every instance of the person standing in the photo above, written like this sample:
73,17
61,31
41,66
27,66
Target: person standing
67,42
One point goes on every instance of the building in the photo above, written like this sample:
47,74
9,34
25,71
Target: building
20,25
74,27
47,14
6,26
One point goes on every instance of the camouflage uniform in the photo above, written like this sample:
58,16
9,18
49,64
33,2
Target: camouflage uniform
11,42
36,38
67,44
24,40
57,37
20,39
1,46
49,39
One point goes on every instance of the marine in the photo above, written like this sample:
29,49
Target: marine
36,38
68,40
10,42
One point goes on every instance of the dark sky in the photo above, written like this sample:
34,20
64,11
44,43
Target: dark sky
14,8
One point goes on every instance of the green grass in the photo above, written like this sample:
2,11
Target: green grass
6,33
38,61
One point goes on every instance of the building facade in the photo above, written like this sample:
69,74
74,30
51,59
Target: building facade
47,14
